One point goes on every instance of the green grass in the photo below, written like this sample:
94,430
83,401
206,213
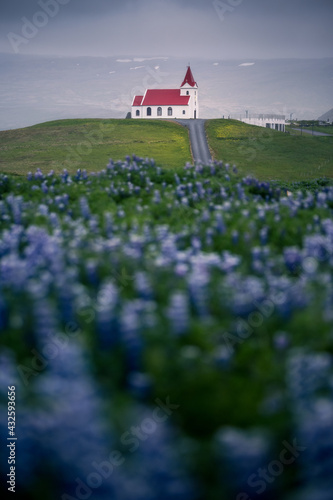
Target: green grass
89,144
269,154
326,129
307,130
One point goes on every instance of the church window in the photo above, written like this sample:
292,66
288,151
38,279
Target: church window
184,111
137,112
169,111
148,111
159,111
187,92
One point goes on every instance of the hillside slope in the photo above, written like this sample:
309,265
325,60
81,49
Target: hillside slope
90,143
268,154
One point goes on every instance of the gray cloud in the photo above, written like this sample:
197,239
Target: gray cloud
190,28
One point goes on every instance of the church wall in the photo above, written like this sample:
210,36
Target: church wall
177,112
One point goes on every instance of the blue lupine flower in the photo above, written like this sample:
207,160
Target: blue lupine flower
235,236
220,225
143,285
222,357
39,175
178,313
229,261
292,258
159,464
84,208
139,384
157,197
131,336
241,452
263,234
281,340
71,413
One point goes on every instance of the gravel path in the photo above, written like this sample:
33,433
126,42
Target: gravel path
199,145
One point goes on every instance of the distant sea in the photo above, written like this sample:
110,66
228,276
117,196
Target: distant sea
36,89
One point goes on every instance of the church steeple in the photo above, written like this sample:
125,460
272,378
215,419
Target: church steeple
189,79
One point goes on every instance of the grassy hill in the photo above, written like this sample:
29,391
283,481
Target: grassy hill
268,154
89,143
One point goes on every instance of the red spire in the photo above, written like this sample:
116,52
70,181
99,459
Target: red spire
189,78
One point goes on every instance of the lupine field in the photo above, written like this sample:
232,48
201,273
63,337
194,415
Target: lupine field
169,334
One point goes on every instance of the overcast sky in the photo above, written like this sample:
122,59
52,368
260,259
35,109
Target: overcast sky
214,29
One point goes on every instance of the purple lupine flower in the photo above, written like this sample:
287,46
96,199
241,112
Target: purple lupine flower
93,225
281,341
43,209
241,452
235,237
143,285
108,224
139,384
222,357
229,261
46,321
220,225
39,175
209,236
64,176
198,284
263,235
16,206
84,208
14,272
130,329
107,317
318,247
200,189
4,313
198,167
292,258
157,196
205,217
91,266
321,199
316,435
178,313
69,409
307,373
159,463
308,378
195,244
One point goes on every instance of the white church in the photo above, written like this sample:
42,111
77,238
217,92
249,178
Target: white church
169,103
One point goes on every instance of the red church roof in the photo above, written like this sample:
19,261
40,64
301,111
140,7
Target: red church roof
164,97
137,100
189,78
